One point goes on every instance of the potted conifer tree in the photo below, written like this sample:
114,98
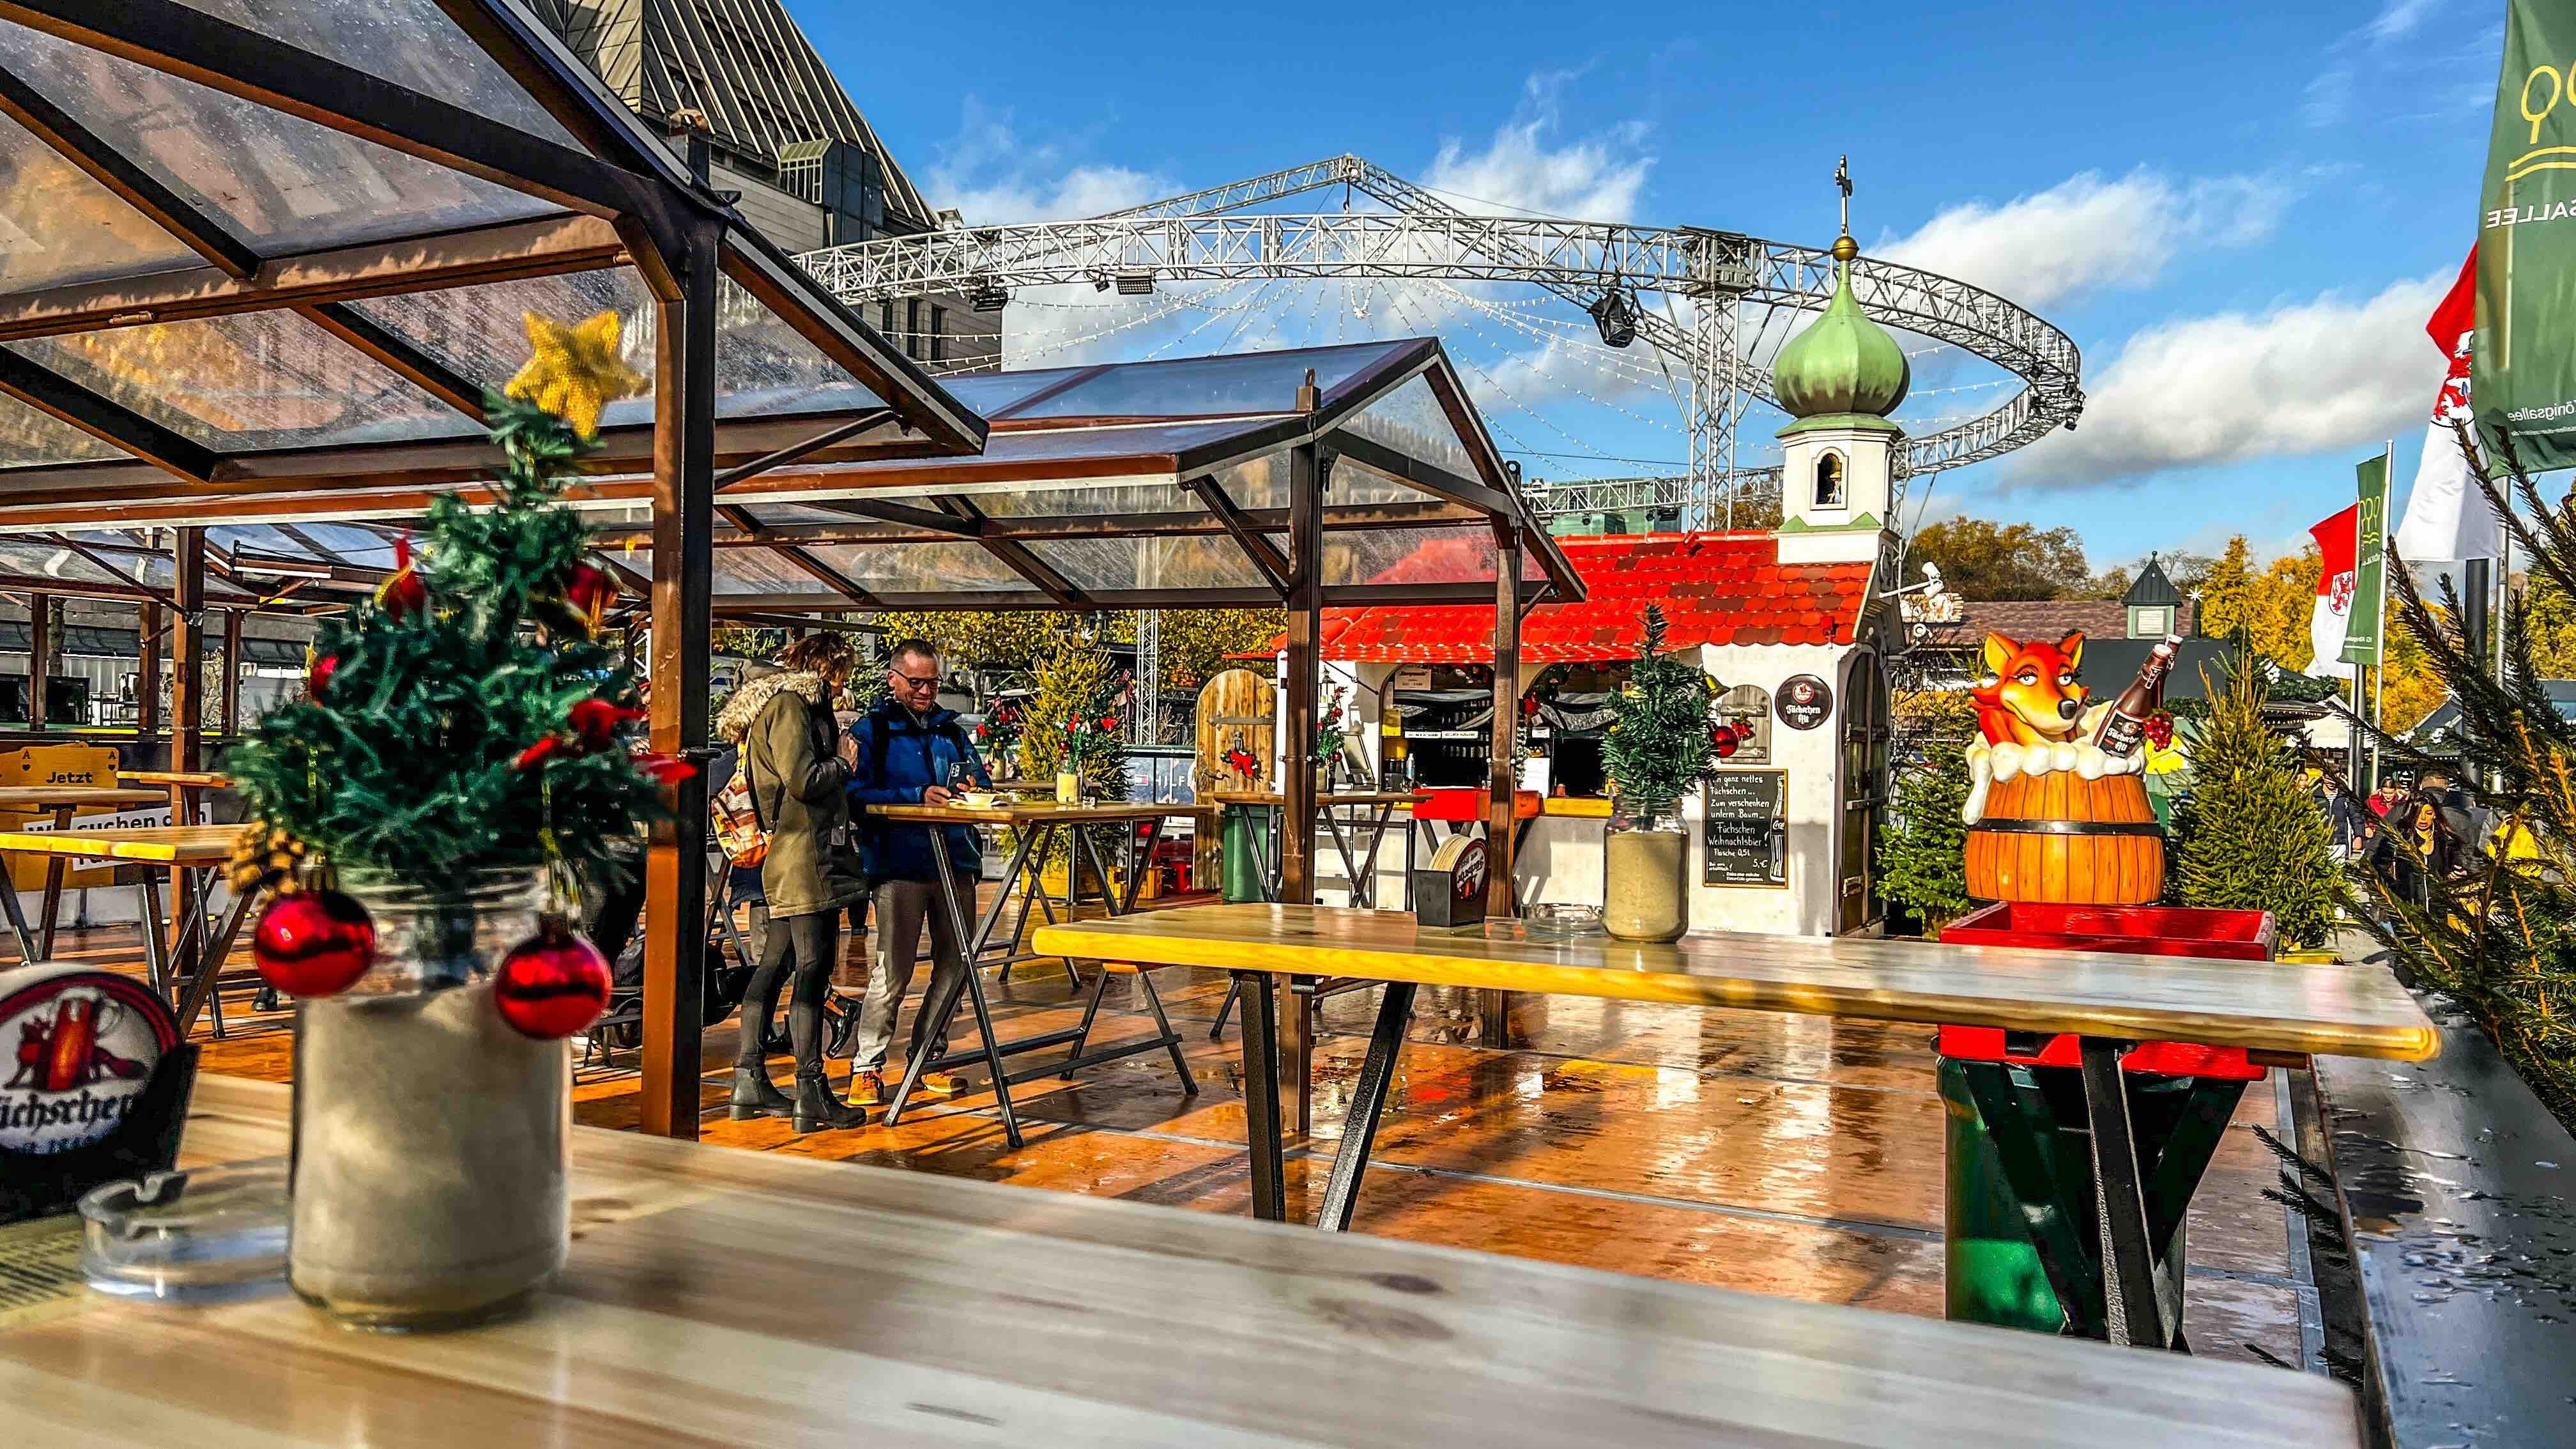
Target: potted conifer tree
1657,748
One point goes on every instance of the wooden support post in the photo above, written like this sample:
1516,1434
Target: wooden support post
147,690
1296,843
187,654
40,653
1502,778
228,721
675,866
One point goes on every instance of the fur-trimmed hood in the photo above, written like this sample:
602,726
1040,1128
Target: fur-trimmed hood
748,701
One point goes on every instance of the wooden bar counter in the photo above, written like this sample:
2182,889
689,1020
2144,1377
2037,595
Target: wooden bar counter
726,1298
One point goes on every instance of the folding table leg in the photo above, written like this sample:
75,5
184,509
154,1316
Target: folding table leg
156,951
1001,895
17,919
1261,1096
1342,847
1163,1026
2132,1297
974,991
1225,1008
1099,978
54,867
1368,1100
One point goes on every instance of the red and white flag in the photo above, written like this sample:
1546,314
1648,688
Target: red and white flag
2339,545
2448,516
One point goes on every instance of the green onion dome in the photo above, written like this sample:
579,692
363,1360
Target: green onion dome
1843,362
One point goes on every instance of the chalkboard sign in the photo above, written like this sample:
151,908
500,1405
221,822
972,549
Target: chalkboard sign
1745,828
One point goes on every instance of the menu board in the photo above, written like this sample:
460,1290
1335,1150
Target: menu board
1745,828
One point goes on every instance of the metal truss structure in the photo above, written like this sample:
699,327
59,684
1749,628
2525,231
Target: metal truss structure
1711,281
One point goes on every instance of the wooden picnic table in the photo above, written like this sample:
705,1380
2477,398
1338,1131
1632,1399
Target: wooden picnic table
195,954
1032,823
874,1305
2108,1000
61,801
185,779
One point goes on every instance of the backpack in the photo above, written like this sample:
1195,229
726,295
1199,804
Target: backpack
739,833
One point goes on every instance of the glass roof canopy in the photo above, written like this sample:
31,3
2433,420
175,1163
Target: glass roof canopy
1178,498
279,249
262,259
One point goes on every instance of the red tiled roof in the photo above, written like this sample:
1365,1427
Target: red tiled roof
1715,588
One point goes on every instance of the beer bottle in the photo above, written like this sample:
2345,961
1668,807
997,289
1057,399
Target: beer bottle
2125,727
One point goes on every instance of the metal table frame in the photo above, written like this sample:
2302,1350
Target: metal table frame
940,1008
2137,1201
1266,869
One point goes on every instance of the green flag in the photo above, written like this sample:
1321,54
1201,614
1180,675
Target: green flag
2523,373
2369,566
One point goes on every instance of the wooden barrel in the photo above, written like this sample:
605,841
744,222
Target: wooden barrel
2060,837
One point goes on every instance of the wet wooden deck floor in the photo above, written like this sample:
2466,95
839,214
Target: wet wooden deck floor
1794,1156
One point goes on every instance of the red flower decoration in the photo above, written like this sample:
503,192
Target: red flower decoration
595,723
318,677
1108,722
590,590
663,769
403,592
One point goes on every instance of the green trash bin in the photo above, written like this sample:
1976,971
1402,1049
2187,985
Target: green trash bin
1244,829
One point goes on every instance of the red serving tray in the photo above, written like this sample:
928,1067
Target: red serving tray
2147,930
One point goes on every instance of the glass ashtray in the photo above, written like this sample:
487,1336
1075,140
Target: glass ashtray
208,1236
1561,920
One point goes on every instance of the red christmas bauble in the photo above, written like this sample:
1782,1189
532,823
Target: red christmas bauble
589,589
552,984
1724,739
313,943
318,678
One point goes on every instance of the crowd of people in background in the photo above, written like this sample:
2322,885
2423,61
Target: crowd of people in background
2406,831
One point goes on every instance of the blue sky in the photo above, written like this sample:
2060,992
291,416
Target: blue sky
2242,214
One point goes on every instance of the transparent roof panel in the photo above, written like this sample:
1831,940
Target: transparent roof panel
280,183
989,393
919,568
411,43
762,571
1357,482
1237,383
1110,498
247,381
28,436
1105,564
763,366
58,228
31,558
1410,555
1411,421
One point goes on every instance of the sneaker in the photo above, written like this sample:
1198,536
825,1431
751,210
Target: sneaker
867,1089
941,1084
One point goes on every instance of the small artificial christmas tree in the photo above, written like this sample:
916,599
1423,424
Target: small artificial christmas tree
1922,854
464,723
2249,835
2498,935
1658,744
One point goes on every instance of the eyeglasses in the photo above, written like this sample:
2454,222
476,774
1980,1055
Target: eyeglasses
917,681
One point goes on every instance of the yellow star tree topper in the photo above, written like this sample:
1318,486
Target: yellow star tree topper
575,370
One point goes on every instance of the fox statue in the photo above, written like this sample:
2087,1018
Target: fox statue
2031,696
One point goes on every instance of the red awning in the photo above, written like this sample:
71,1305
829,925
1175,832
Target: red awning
1715,588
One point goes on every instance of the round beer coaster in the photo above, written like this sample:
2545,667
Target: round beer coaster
81,1046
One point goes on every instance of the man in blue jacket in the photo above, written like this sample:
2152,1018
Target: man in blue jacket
907,751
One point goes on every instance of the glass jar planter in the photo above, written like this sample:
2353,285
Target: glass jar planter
429,1175
1645,895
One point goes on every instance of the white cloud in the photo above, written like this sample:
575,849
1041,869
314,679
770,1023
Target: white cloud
2302,378
991,174
1600,178
2398,18
2087,232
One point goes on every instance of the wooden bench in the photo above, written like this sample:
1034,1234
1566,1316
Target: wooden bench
2453,1182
